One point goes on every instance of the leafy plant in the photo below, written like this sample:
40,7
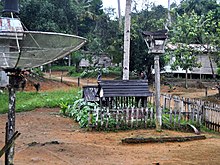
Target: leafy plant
37,72
63,108
79,111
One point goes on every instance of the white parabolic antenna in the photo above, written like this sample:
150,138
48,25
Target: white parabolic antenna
28,49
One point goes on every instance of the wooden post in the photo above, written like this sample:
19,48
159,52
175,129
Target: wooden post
107,117
117,119
90,119
78,81
164,102
151,115
11,115
206,91
132,117
127,115
146,117
61,77
50,70
157,93
97,117
6,141
171,113
137,115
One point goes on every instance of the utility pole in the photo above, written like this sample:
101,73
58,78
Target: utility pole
127,34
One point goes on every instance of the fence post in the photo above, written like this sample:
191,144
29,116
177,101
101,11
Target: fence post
61,77
97,117
6,141
137,115
78,81
206,91
132,117
117,119
90,119
180,110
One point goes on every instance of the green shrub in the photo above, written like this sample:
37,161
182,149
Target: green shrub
37,72
72,72
79,111
61,68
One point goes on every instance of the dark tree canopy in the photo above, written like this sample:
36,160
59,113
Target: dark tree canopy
87,18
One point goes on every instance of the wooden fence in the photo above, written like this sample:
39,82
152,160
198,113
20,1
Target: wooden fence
122,112
212,116
193,110
175,110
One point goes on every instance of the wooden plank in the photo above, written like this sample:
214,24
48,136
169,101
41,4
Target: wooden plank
193,110
127,115
125,88
97,117
171,114
151,115
146,117
110,86
117,119
9,143
143,116
162,139
132,117
127,95
180,111
107,117
137,116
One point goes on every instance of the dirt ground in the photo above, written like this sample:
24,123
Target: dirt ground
49,139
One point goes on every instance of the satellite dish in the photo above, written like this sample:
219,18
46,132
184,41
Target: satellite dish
28,49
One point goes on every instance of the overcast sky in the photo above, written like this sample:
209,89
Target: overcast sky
113,3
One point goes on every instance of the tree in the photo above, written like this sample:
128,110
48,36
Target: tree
192,28
200,7
184,33
140,59
76,58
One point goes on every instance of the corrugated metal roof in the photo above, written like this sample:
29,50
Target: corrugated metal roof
125,88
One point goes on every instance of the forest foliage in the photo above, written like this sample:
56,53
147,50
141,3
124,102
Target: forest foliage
192,22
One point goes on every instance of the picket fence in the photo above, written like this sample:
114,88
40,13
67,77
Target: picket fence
194,110
175,109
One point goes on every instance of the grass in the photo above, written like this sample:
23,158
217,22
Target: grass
26,101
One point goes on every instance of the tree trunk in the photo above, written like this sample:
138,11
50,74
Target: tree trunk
127,40
186,78
69,60
213,73
119,15
169,16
